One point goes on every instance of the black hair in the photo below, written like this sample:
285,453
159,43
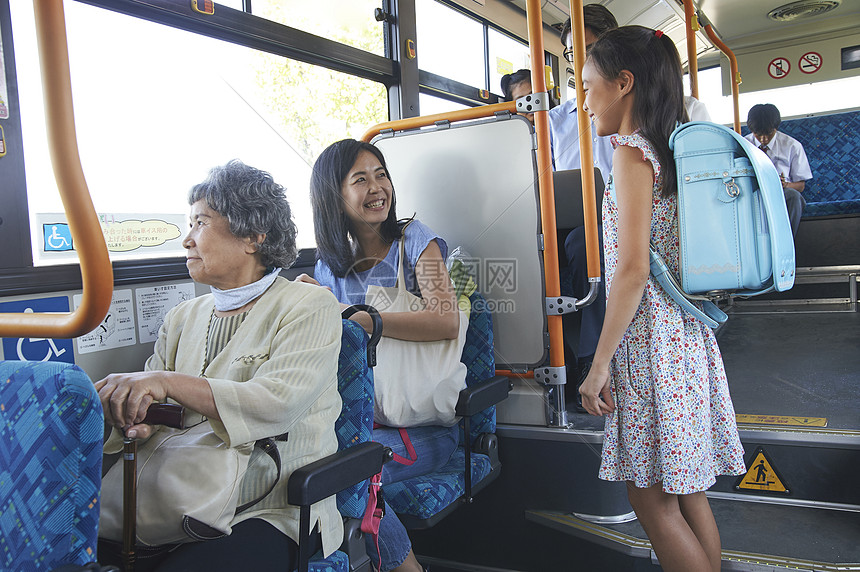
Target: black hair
509,80
657,89
763,118
596,17
331,225
253,203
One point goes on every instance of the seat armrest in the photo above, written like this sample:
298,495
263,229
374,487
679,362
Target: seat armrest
482,395
321,479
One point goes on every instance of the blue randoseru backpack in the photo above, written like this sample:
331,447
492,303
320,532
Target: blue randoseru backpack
733,230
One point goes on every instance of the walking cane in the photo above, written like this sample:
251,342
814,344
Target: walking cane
168,414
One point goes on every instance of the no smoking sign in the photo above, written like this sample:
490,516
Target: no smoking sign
809,62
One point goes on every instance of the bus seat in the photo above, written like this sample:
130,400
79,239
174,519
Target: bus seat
829,141
569,215
423,501
50,465
345,472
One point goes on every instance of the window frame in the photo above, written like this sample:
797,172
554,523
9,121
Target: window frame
18,276
439,86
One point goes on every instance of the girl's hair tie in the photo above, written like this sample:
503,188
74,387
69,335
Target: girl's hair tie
658,33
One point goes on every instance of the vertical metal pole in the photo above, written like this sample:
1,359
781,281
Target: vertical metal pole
586,152
129,502
467,435
547,206
304,537
692,59
736,76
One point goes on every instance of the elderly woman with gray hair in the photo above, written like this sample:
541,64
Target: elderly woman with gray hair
255,358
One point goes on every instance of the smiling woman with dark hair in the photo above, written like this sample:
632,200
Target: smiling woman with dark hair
255,358
360,243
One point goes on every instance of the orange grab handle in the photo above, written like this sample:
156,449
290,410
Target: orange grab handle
96,271
692,60
736,77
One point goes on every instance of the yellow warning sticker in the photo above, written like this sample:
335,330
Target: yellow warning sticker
762,476
793,420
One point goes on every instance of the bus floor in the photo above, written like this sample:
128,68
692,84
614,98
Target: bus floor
794,377
804,366
786,367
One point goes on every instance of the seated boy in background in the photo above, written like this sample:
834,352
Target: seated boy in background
785,152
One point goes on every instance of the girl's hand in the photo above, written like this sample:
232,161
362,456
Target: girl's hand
595,386
126,397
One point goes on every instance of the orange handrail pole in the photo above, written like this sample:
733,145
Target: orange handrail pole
546,192
692,59
736,76
96,271
424,120
586,153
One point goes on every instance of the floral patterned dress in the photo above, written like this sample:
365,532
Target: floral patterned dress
674,421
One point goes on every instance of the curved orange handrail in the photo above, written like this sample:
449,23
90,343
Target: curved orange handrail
736,76
96,271
424,120
692,25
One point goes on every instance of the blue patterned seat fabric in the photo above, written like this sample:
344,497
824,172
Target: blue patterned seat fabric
830,142
51,429
354,426
424,496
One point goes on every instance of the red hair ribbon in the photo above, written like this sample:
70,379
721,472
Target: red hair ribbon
658,33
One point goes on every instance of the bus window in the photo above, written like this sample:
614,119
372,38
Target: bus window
350,22
462,60
430,104
159,108
796,100
507,55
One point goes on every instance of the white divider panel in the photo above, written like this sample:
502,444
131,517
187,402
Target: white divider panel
475,184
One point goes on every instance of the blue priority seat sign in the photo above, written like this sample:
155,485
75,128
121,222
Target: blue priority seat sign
38,349
58,237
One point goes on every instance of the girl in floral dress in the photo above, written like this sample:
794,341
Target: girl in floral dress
657,373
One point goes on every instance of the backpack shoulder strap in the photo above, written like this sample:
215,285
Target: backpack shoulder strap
710,314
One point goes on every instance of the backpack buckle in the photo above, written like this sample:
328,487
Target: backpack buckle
732,188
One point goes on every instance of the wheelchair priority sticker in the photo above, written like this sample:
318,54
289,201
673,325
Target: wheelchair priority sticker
38,349
58,237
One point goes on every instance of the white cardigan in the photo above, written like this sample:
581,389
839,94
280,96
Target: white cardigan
277,374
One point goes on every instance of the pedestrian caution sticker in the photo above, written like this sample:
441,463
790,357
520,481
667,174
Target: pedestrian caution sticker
793,420
762,476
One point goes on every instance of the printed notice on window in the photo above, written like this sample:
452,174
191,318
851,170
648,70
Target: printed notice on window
4,93
127,235
117,328
153,303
